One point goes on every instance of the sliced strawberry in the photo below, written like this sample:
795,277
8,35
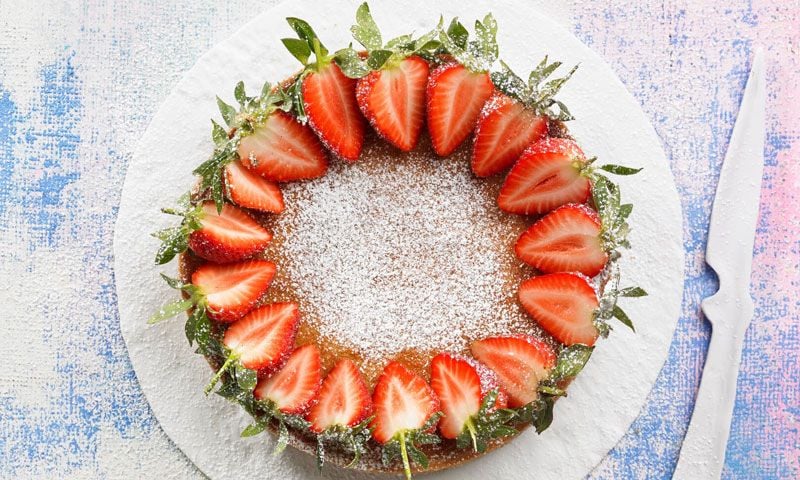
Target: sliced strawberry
283,150
229,236
547,175
489,382
232,289
247,189
393,100
455,96
520,363
295,385
403,402
565,240
458,387
344,399
263,338
563,304
329,99
505,127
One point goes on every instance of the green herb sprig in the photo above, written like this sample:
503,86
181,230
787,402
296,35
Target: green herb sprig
352,439
379,55
537,93
478,54
488,424
266,411
405,445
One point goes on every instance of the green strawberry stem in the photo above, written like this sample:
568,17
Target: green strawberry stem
472,433
404,455
232,358
321,59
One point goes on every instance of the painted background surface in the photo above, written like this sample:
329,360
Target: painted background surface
80,81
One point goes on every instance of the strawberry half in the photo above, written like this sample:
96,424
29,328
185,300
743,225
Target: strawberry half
458,387
520,362
328,95
471,411
343,401
547,175
283,150
228,236
564,304
294,386
263,338
403,401
518,114
455,97
405,412
393,100
232,289
329,99
565,240
459,89
247,189
505,127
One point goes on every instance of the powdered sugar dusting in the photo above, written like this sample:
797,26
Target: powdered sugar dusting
402,251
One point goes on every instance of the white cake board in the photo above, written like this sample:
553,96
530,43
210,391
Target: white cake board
605,398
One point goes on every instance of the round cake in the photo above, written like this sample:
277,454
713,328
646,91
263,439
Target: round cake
398,258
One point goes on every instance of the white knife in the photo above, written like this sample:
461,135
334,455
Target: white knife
730,310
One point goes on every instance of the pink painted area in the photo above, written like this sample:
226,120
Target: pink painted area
775,265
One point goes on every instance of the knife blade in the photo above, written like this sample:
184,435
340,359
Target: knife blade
729,252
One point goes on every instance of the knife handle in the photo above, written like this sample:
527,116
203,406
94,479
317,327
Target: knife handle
703,452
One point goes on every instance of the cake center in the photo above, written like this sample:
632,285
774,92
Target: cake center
401,251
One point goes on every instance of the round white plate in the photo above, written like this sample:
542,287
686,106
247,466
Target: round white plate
605,398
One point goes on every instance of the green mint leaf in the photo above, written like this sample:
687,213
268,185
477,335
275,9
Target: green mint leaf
601,195
544,416
402,42
563,114
174,240
298,48
457,34
170,310
620,315
266,90
620,170
302,29
254,429
509,82
625,211
571,361
542,71
504,431
366,31
416,456
245,378
218,134
173,282
632,292
377,58
198,326
352,65
283,439
239,94
486,42
227,111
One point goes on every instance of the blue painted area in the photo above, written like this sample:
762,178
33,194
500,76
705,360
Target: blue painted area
9,119
57,155
39,166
